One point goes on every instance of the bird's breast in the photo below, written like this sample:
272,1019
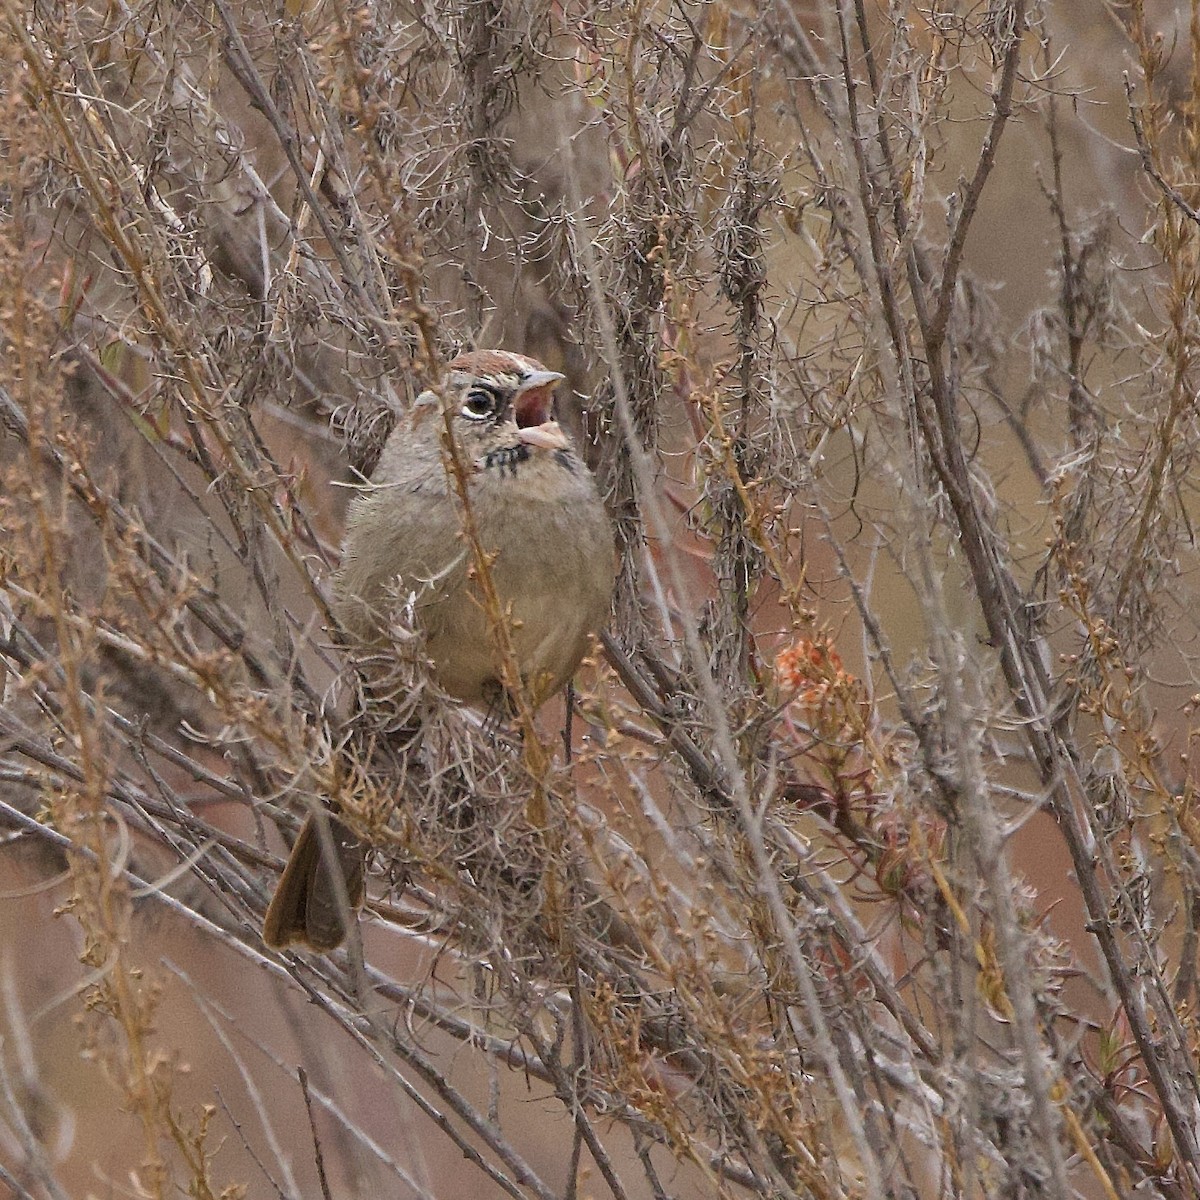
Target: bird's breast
552,566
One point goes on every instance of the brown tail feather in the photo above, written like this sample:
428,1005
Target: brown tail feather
319,890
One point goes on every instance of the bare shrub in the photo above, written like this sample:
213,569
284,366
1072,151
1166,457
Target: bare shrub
864,860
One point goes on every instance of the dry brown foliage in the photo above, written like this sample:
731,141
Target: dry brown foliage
866,860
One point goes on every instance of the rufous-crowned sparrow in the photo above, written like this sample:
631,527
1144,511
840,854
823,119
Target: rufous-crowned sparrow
536,509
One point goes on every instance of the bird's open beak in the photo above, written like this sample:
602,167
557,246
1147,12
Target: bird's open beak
534,403
533,409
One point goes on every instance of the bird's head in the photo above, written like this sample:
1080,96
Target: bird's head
502,404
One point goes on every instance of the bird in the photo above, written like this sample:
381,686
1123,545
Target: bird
542,524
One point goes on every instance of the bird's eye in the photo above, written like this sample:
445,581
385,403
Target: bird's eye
479,404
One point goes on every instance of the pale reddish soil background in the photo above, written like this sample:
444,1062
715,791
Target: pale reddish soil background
232,1027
